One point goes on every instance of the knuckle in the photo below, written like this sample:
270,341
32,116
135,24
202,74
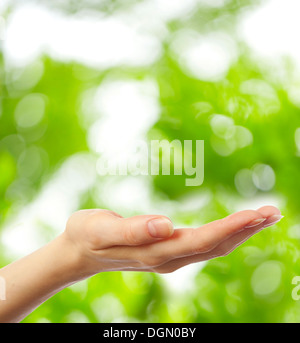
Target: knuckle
112,213
69,224
202,246
129,235
89,222
251,214
93,219
205,246
92,237
154,261
91,225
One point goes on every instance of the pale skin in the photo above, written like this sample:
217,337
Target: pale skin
96,241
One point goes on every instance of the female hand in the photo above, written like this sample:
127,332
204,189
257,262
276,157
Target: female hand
107,242
96,241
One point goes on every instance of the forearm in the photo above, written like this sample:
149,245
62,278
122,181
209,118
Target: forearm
35,278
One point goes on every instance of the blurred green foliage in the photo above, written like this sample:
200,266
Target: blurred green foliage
248,124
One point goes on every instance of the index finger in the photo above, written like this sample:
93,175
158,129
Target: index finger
186,242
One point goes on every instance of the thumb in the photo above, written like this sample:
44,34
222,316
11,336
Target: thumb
136,230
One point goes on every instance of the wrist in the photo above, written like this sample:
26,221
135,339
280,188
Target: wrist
35,278
70,259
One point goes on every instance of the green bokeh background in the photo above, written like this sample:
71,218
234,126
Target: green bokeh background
253,138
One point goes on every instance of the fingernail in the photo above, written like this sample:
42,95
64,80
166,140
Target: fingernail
273,220
160,228
255,223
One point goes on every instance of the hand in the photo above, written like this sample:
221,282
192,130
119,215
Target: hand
105,241
99,240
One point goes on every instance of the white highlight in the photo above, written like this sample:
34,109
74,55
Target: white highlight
94,40
273,29
128,108
205,57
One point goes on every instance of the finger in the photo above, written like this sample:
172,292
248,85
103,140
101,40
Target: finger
268,211
272,214
114,231
185,242
227,246
223,249
189,243
145,229
172,264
